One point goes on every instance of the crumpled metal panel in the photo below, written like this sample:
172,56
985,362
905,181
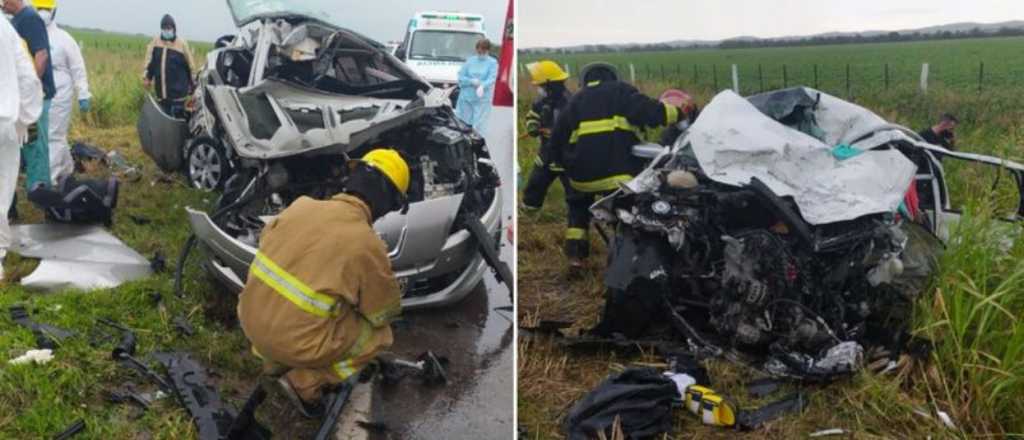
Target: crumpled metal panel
77,257
734,143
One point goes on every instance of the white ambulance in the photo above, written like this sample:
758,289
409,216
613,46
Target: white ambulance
436,44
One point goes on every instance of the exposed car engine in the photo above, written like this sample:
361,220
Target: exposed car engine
739,269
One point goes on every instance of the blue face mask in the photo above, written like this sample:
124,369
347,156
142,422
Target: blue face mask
167,35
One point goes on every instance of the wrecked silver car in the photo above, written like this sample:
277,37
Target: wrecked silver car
283,105
791,230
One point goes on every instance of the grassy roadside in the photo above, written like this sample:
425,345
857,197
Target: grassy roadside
971,311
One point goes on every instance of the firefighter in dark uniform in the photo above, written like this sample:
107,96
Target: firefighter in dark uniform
594,138
550,78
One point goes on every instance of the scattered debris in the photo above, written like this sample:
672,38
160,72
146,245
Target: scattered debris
139,220
213,418
47,336
73,430
753,419
337,398
946,419
183,326
373,427
128,394
430,368
158,264
37,357
828,432
762,387
78,257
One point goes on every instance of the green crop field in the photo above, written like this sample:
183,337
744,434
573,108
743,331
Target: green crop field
953,64
972,311
39,401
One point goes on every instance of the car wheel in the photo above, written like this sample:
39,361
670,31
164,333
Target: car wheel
208,166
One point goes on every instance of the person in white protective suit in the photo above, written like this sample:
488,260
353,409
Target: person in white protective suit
476,86
21,103
69,76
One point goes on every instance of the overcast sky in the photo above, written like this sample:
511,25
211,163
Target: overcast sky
382,20
549,23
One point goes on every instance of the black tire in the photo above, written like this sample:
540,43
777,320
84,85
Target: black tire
207,165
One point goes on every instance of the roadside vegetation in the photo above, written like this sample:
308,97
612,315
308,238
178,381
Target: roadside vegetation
972,311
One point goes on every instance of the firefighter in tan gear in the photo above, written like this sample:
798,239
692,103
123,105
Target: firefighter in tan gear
321,295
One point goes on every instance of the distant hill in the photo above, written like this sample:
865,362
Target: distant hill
952,30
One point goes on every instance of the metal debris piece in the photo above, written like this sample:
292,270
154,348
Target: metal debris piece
75,256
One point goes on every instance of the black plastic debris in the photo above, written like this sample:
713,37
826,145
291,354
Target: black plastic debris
214,419
73,430
641,398
753,419
182,326
762,387
47,336
158,263
139,220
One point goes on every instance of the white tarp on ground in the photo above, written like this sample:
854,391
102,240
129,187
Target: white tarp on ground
77,257
734,142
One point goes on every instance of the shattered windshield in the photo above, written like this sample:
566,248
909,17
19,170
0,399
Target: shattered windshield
247,11
443,45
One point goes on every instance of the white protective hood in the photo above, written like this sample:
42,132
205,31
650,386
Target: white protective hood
734,142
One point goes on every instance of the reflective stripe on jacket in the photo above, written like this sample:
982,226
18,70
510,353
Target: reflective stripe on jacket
596,133
321,290
169,64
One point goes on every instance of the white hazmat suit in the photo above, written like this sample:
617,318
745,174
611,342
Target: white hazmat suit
69,76
21,102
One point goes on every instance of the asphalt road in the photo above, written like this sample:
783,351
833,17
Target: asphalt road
476,339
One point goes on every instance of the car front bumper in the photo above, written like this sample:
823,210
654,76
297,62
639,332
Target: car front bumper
445,279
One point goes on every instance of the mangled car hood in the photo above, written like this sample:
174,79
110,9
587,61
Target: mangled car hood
276,119
248,11
735,142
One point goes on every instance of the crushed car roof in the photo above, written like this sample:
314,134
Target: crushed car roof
735,142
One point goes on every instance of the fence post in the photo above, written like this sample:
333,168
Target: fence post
632,73
924,78
567,70
816,76
662,71
785,77
714,74
735,79
760,78
981,75
886,76
679,72
847,81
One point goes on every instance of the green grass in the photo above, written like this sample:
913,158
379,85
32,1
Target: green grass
39,401
972,310
952,63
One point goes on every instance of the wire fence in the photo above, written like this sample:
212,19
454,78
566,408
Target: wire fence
838,79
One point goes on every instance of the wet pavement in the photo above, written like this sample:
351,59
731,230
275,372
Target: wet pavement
477,340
